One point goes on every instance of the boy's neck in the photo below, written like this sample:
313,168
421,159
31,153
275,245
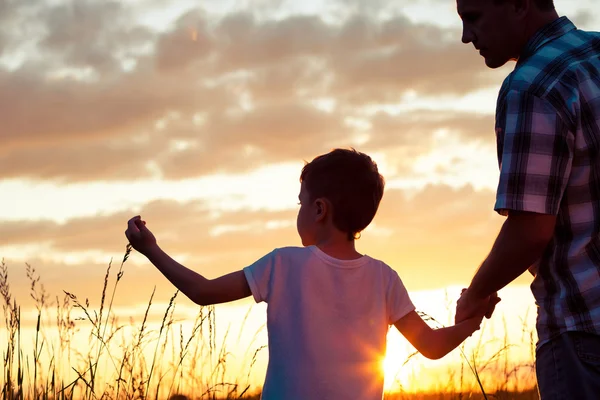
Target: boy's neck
340,249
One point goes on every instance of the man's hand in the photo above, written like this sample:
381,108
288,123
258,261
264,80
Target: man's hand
139,236
493,300
468,306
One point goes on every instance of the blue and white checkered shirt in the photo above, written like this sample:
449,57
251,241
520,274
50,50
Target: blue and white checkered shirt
548,137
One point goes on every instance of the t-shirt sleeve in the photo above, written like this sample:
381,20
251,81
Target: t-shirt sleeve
398,300
535,157
260,276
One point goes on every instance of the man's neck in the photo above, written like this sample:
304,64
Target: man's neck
540,20
533,26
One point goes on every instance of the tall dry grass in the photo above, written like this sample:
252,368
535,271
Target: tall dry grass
122,361
128,361
487,371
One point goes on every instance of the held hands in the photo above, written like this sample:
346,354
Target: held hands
468,306
139,236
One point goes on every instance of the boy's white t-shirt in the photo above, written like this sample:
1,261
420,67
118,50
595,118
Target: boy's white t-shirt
327,321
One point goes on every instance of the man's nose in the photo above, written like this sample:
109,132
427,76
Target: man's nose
467,35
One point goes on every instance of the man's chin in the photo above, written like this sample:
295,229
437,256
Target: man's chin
493,64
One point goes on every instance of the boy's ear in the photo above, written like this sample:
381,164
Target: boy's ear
321,208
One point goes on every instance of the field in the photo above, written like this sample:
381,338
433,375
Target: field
135,361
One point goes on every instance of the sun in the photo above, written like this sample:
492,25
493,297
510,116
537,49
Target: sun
396,371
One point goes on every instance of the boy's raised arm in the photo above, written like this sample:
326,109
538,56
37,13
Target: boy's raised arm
197,288
435,343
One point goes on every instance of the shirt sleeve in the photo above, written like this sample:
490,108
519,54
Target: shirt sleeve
535,157
398,300
260,276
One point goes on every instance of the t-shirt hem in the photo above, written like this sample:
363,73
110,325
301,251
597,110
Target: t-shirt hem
401,314
253,285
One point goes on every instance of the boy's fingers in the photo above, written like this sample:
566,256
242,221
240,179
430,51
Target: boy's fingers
132,224
130,236
141,225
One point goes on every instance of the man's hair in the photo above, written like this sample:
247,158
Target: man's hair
351,182
543,5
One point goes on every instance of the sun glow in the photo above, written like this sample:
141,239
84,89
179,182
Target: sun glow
395,364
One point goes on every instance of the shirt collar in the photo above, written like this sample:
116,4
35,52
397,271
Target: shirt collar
551,31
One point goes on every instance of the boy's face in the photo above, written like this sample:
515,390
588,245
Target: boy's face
305,222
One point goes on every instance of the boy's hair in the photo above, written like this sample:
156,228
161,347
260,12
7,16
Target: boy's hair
543,5
351,182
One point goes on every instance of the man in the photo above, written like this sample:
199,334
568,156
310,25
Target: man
548,140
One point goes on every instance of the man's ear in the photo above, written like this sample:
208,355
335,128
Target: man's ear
521,7
321,208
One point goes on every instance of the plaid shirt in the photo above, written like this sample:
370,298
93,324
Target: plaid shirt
548,138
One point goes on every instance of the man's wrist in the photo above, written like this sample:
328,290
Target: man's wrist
473,295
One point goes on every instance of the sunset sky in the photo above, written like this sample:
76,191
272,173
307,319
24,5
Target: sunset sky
199,115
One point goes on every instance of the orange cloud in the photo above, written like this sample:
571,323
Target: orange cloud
439,233
92,34
36,111
187,43
252,80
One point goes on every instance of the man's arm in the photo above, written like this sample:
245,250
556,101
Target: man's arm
537,154
535,164
520,243
197,288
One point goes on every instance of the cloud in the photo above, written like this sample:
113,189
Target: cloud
407,56
14,33
105,80
418,127
189,42
100,159
584,19
361,53
237,142
92,34
181,227
233,143
246,43
437,236
38,111
433,237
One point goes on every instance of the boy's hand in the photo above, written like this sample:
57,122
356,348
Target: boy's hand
139,236
468,307
474,323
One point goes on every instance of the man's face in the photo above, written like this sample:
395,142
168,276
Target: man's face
492,28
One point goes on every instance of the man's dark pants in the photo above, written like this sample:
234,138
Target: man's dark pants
568,367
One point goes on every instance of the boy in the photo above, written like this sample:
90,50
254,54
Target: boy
329,307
